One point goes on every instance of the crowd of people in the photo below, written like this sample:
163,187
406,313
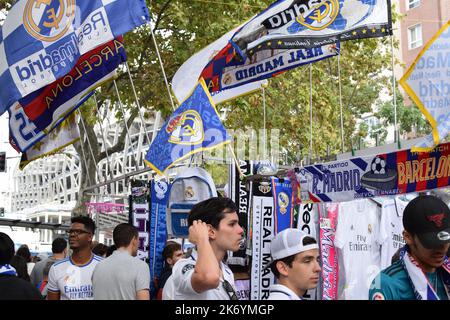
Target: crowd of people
95,271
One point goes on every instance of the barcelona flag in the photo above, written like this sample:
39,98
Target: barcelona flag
194,127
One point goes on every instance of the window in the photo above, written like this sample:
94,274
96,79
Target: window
411,4
415,36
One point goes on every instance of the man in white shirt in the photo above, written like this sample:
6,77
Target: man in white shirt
70,278
122,276
295,264
214,228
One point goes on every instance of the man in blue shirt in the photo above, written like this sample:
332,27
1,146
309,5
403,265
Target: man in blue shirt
423,271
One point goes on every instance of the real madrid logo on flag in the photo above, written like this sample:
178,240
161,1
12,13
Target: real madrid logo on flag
194,127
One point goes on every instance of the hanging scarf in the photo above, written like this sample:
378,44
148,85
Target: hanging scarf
6,269
419,282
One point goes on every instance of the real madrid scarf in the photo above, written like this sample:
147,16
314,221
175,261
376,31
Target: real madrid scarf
158,235
7,269
283,203
419,282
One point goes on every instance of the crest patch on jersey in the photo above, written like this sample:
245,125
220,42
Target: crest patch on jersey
187,267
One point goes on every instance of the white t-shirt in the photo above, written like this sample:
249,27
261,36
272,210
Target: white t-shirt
71,281
357,237
391,229
182,274
281,292
168,292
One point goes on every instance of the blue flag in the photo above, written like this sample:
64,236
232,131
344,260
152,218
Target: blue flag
194,127
160,191
283,200
41,41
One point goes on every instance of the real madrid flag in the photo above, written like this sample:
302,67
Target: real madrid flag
194,127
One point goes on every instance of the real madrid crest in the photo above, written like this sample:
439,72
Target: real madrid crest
48,20
186,128
321,16
264,187
189,192
283,202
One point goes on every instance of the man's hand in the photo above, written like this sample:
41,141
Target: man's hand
198,232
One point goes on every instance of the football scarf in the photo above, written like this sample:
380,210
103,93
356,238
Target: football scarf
419,282
6,269
283,204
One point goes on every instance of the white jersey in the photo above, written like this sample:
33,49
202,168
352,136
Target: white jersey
71,281
391,230
168,292
357,237
182,274
281,292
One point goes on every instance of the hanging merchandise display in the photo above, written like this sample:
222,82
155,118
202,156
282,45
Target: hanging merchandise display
391,228
239,192
383,174
330,262
139,206
357,238
190,187
158,230
308,222
263,225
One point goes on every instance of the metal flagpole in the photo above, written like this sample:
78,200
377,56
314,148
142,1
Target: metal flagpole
264,125
340,101
104,139
310,113
396,137
126,125
84,158
162,68
89,145
137,102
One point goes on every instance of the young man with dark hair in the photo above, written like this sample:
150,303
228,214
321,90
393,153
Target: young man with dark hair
70,278
423,269
214,229
122,276
11,286
171,254
295,264
59,249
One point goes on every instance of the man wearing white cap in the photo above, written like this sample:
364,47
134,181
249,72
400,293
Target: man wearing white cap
295,264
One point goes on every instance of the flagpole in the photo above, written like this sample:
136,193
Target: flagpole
162,68
310,112
340,101
396,137
126,127
137,101
264,124
241,174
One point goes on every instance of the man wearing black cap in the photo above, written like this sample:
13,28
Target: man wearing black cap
423,270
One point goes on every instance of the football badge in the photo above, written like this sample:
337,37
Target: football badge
264,187
186,128
283,202
380,177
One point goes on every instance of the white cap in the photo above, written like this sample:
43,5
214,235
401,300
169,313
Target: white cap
289,242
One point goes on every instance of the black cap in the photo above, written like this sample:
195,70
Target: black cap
428,217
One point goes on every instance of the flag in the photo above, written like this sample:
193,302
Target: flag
66,134
194,127
427,82
41,40
227,71
186,77
41,111
299,24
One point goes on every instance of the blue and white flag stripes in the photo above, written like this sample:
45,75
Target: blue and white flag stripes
160,191
194,127
41,40
427,82
299,24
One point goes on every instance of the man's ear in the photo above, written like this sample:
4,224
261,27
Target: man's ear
408,238
282,268
212,233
